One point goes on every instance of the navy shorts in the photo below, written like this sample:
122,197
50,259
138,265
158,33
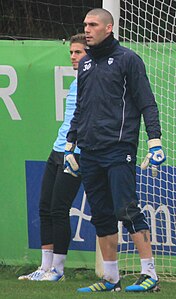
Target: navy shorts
109,178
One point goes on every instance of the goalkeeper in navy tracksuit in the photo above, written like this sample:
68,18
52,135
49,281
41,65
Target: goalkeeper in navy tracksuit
113,93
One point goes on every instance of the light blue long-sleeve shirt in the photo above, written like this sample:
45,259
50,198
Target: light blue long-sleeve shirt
59,144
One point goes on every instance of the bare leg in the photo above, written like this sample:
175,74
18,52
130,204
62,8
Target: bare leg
48,246
142,241
108,246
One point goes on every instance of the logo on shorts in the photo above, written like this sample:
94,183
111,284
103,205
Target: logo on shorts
128,158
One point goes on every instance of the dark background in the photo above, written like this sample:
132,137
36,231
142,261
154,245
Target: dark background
59,19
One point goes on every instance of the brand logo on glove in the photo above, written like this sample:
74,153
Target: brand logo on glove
159,157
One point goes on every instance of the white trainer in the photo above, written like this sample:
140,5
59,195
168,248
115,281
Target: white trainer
36,275
53,275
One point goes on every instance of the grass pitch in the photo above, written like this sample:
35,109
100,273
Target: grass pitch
12,288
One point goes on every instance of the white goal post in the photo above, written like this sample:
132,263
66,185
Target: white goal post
149,28
113,6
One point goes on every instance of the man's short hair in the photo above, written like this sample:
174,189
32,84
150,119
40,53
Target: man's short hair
78,38
104,15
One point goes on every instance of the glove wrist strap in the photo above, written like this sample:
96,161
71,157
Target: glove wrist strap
70,147
154,142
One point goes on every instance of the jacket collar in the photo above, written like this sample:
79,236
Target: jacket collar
105,48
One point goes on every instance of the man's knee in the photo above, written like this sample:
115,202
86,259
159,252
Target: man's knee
137,224
105,225
129,212
132,217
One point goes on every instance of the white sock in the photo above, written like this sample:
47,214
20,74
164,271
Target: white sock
58,262
47,259
148,267
111,271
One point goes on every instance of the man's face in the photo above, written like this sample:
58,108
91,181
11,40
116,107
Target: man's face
77,51
95,30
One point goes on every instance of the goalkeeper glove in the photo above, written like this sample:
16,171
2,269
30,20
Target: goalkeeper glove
70,164
155,156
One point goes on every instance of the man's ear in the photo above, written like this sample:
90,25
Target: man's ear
109,28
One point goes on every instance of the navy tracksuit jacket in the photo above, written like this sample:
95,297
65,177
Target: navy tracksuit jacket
113,93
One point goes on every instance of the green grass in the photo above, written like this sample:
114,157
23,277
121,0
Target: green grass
12,288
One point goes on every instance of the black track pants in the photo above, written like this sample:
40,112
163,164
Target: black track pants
57,194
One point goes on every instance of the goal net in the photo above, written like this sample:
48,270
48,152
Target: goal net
148,27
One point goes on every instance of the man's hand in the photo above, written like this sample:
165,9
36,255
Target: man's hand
155,156
70,164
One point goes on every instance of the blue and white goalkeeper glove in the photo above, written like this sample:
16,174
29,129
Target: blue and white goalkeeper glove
155,157
70,164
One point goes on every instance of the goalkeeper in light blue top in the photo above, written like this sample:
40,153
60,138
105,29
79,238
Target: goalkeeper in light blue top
59,189
59,144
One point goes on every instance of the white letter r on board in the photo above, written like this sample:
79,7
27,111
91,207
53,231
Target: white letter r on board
6,92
